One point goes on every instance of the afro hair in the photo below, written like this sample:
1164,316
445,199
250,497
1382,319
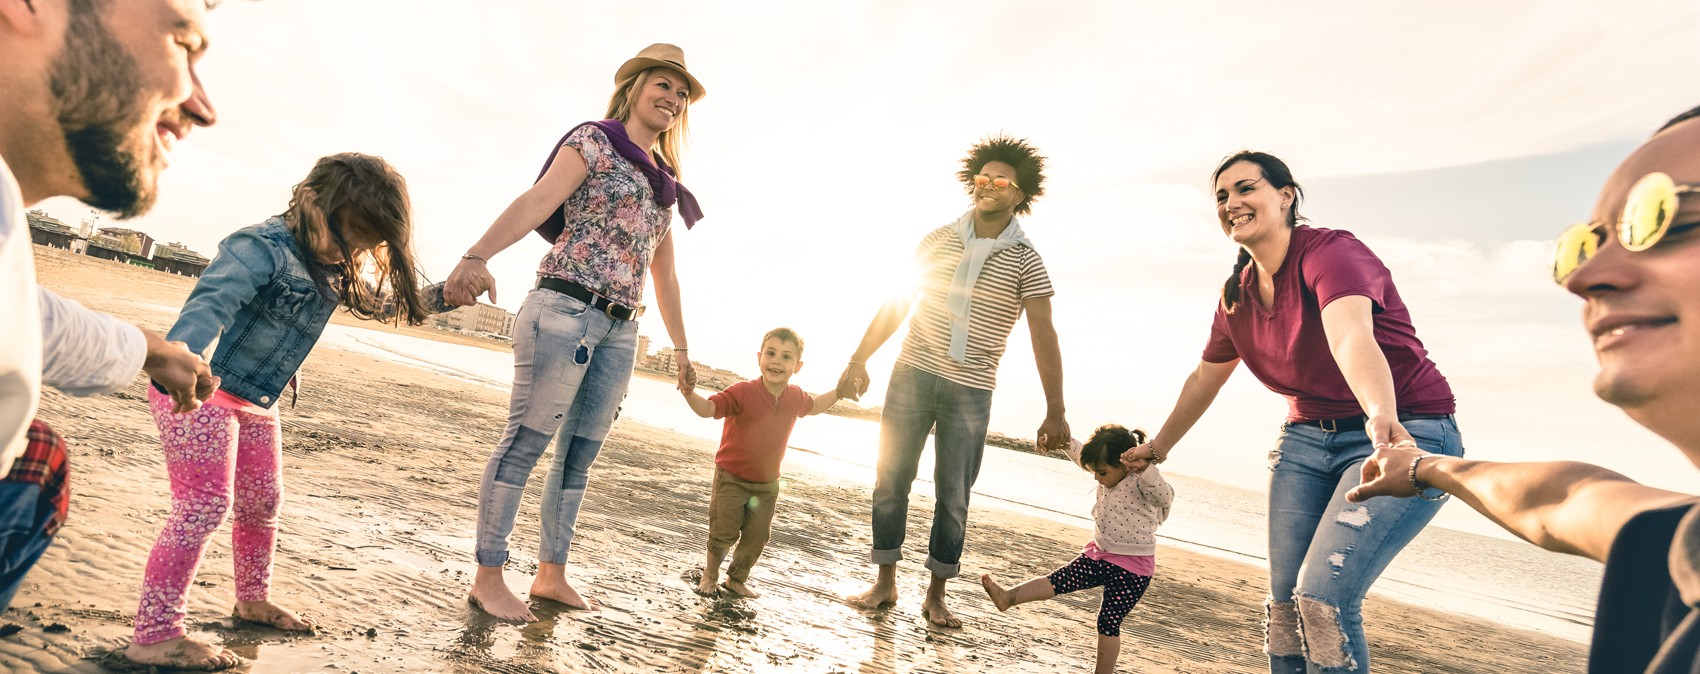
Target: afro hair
1017,152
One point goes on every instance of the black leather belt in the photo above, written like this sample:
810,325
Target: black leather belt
1357,423
618,312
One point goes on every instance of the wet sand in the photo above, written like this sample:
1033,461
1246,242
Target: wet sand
382,463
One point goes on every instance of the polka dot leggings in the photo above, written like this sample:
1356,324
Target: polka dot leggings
222,463
1122,589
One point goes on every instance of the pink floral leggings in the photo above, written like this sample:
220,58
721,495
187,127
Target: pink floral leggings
220,461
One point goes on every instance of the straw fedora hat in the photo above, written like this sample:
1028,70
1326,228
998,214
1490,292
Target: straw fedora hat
663,55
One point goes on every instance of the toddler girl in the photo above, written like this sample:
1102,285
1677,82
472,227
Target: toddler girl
265,299
1122,553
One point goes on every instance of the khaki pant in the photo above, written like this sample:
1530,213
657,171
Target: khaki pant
740,507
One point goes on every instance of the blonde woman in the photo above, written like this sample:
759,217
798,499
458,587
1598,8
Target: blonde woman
605,201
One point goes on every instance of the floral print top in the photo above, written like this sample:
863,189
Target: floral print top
613,224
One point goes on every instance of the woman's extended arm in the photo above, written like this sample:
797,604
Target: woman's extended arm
1563,506
1349,323
472,277
1196,395
672,311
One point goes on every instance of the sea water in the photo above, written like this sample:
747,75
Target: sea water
1507,581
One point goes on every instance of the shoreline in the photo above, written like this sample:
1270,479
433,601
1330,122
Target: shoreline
381,463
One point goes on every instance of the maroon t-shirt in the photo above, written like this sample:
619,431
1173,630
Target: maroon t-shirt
757,429
1286,348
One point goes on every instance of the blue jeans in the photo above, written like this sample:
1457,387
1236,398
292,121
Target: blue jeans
571,370
1324,553
23,537
916,403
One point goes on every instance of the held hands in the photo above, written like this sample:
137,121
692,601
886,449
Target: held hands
687,373
1387,472
1139,458
469,279
183,375
1053,434
853,384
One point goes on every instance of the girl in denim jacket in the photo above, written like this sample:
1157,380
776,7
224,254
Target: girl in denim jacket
1121,557
264,300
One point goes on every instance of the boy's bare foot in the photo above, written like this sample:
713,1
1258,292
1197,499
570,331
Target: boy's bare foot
707,587
880,594
739,588
268,613
492,596
1000,596
562,591
183,653
935,612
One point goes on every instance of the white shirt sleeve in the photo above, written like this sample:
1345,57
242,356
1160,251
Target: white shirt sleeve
84,353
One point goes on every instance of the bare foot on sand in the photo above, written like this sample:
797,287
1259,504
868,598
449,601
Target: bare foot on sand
562,591
491,595
1000,596
710,577
183,653
739,588
267,613
934,611
880,594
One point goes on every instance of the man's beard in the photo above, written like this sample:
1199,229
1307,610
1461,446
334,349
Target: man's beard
97,88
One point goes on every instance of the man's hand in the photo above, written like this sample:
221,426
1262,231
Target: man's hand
853,384
1053,434
1387,473
469,279
185,377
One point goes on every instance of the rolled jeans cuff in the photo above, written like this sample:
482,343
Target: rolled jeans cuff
941,569
886,556
492,557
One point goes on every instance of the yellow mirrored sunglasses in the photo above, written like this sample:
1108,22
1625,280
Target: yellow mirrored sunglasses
1647,215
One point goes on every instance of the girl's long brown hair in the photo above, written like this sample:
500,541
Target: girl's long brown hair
671,143
360,197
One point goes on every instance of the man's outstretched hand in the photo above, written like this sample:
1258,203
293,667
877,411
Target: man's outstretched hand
183,375
853,384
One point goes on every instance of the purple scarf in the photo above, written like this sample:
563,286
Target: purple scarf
666,190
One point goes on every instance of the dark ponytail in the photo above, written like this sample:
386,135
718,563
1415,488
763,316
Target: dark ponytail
1278,176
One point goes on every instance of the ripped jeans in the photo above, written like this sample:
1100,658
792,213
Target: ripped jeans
1324,553
571,370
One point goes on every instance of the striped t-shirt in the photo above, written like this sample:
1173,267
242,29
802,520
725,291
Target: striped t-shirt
1008,277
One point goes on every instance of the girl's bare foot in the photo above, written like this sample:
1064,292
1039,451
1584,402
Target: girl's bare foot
1000,596
183,653
934,611
562,591
491,595
268,613
739,588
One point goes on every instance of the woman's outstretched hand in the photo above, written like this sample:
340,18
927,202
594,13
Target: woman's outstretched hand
1140,457
1387,431
853,384
687,373
469,279
1387,473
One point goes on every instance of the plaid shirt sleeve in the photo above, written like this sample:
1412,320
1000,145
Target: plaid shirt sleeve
44,463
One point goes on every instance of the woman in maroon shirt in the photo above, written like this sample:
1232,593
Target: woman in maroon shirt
1314,315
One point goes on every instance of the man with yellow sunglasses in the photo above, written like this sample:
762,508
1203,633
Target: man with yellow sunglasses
1636,265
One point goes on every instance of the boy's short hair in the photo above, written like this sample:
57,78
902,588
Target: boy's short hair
1107,444
784,335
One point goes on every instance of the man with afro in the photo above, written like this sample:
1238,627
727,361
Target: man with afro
975,277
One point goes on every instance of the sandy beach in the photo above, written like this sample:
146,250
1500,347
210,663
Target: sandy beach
381,478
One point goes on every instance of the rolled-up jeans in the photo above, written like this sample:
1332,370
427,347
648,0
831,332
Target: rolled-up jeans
1324,552
571,370
918,402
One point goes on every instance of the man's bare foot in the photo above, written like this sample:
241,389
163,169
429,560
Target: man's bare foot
935,612
268,613
878,595
707,587
1000,596
492,596
183,653
562,591
739,588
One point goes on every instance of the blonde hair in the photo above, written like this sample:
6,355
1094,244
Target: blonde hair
672,141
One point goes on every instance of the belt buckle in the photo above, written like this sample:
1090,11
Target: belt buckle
609,312
1328,425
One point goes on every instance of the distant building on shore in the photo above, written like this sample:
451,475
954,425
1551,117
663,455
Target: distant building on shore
115,243
178,259
45,230
479,317
130,240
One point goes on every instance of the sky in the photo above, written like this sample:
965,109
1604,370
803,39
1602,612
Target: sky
1455,138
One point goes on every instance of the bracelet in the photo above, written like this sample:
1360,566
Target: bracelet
1420,490
681,350
857,362
470,256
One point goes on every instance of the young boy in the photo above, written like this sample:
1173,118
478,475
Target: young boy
759,415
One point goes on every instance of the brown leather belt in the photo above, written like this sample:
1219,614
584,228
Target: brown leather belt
618,312
1357,423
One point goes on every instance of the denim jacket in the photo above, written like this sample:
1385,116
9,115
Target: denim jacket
257,301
